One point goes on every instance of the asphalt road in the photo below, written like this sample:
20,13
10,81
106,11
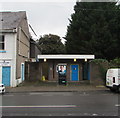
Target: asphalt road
97,103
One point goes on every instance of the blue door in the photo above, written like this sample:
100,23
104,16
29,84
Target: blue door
74,72
22,71
6,75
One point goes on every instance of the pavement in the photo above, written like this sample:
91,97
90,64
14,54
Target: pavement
55,88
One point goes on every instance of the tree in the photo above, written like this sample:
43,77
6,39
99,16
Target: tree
94,29
51,44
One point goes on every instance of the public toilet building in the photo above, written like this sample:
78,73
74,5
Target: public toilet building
77,67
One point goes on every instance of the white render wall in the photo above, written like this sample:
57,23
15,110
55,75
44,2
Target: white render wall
8,58
0,74
10,43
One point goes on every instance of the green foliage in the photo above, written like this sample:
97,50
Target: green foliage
115,63
51,44
99,61
94,29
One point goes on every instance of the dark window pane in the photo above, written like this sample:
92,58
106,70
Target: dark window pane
1,38
1,42
1,46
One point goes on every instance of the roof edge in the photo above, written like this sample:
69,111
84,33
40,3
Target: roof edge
66,56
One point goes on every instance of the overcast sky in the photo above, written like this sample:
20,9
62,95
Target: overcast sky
44,17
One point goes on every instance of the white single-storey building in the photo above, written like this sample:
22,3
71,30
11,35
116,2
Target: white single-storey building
76,67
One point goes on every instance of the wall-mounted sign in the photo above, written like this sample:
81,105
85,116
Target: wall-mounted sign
4,63
62,69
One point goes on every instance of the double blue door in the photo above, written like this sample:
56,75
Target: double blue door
6,75
74,72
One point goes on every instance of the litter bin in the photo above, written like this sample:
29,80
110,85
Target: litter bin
62,80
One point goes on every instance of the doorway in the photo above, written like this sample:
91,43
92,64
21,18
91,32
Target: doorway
6,73
74,72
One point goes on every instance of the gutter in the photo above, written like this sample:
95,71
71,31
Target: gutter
8,30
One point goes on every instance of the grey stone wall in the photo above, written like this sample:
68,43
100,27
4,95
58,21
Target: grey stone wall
97,73
32,71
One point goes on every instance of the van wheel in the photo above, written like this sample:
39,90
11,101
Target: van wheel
111,89
3,93
118,89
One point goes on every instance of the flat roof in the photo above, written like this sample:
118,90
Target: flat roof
66,56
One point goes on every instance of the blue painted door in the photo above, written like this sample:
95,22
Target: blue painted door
22,72
6,75
74,72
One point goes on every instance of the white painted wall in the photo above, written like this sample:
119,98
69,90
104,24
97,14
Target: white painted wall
0,74
9,55
9,46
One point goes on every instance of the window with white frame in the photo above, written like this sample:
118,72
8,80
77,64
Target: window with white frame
2,45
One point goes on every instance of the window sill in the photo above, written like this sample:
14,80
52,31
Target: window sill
2,51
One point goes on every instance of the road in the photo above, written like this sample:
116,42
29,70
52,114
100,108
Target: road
90,103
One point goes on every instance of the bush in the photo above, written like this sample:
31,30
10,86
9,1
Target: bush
99,61
115,63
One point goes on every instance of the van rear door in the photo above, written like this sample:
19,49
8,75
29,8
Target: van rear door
109,78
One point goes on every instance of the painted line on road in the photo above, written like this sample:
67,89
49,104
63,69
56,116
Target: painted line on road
37,93
8,95
117,105
41,106
95,114
51,94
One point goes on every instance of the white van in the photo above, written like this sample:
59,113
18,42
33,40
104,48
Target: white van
113,79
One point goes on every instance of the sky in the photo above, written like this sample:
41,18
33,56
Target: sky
44,17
